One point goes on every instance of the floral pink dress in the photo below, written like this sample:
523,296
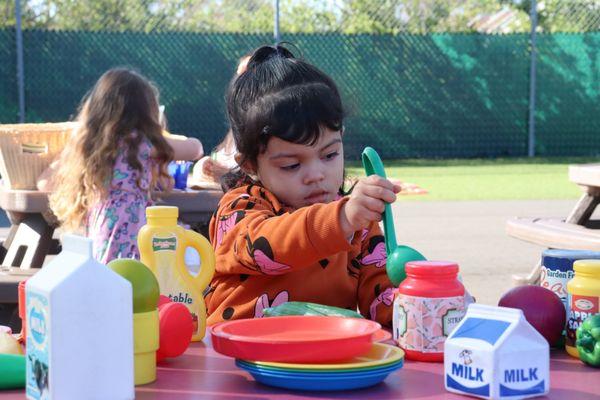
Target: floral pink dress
113,224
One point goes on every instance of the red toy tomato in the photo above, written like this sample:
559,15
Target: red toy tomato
175,330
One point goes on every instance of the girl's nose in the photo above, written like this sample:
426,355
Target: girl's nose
314,175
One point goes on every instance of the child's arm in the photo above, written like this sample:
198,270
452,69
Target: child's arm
251,234
45,182
375,290
249,227
185,148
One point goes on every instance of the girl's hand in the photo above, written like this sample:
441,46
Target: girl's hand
213,169
366,203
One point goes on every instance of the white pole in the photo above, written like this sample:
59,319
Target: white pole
20,69
276,27
532,78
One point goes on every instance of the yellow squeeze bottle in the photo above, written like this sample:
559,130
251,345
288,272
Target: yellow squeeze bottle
583,299
162,245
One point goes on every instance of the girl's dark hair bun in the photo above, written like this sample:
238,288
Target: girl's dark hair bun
265,53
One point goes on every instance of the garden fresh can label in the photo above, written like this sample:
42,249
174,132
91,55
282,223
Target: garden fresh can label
556,281
557,270
422,324
580,308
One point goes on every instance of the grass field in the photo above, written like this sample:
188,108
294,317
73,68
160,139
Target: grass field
483,179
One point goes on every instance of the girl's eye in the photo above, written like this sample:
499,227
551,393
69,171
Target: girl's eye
332,155
291,167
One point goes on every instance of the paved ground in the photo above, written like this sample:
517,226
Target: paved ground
472,234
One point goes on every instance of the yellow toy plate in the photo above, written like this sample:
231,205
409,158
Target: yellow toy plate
379,355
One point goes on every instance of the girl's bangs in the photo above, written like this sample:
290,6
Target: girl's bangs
298,114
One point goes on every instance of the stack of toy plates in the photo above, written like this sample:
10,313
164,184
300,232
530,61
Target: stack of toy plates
358,372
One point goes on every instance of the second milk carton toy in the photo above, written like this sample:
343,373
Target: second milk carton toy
79,327
162,245
494,353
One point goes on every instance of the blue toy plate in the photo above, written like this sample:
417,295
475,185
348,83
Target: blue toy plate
319,380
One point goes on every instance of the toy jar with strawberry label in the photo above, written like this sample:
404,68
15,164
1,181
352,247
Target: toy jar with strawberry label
429,304
583,298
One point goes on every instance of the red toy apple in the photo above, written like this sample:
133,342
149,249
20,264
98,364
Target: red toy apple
542,309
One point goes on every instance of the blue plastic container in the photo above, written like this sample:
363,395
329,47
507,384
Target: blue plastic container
179,170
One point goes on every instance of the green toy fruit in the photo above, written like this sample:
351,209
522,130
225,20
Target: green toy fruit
303,308
143,283
588,341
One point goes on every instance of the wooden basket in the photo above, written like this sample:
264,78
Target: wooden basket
26,150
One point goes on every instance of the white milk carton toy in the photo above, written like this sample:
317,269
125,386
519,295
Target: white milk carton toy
79,328
494,353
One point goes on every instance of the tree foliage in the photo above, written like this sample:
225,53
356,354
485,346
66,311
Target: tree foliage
308,16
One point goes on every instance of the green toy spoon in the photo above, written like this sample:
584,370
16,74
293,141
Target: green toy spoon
397,255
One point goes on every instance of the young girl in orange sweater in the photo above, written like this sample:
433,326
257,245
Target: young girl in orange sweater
286,231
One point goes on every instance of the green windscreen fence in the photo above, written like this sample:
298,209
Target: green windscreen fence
9,102
568,94
434,95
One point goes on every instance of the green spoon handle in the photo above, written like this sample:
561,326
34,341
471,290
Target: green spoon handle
373,166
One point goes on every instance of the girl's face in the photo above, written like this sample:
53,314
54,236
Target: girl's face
301,175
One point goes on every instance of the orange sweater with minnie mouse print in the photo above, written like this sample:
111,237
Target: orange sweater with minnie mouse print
268,253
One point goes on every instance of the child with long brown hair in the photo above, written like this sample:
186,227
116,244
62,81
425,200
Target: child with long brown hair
118,154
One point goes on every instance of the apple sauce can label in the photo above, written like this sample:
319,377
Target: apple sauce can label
38,329
579,309
422,324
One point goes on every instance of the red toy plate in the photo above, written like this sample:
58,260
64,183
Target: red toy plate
294,339
381,336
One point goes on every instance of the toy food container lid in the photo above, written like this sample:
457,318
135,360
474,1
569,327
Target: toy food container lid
591,267
162,212
487,330
563,259
431,267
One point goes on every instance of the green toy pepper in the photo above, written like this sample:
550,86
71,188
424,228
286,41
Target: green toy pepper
588,341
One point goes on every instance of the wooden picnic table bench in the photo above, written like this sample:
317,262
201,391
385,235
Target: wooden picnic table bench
30,239
575,232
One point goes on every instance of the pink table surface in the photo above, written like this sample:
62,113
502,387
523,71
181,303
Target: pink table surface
201,373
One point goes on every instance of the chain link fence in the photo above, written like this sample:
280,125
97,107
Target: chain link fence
428,78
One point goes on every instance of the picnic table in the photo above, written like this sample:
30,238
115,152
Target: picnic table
202,373
32,225
575,232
